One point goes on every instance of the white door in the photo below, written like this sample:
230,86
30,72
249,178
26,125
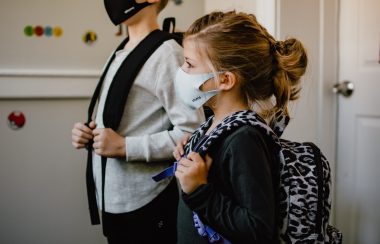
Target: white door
358,158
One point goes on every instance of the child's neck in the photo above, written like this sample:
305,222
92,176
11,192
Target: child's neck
139,31
222,112
227,104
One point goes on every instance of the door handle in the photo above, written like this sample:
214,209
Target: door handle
345,88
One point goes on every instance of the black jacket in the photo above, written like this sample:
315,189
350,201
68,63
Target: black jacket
239,200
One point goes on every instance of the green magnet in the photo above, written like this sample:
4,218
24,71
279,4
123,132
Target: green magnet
28,30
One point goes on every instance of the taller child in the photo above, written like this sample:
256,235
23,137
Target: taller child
137,210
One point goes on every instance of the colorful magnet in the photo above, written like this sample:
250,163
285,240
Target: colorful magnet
28,30
16,120
48,31
57,31
38,30
90,37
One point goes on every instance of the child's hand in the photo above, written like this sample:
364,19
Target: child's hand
178,150
81,134
192,172
108,143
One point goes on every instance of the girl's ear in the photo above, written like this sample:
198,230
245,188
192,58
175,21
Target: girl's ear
227,81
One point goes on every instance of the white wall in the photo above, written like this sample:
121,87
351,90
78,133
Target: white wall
225,5
265,10
43,67
303,25
315,23
316,26
185,13
42,178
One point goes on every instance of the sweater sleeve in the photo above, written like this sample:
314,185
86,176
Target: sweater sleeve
246,213
159,146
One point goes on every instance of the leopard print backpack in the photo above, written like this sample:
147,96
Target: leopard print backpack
304,192
304,199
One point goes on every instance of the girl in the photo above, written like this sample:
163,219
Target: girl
228,176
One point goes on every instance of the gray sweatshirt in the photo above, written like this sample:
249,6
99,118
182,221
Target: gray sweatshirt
152,107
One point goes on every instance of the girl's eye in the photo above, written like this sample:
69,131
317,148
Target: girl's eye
189,65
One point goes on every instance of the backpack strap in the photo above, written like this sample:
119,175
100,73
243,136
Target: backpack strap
125,76
168,22
169,26
115,102
91,191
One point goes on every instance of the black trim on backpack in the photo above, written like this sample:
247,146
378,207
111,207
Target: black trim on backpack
319,169
115,102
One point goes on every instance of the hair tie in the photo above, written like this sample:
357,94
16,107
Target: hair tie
274,47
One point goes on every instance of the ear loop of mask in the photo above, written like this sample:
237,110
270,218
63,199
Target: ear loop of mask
214,100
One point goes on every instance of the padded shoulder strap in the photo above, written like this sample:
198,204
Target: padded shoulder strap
96,94
125,76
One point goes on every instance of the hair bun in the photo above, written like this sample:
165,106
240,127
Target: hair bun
291,58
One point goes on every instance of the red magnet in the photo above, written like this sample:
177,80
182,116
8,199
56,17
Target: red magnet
16,120
39,30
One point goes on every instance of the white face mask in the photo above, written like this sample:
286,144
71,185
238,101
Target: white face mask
187,87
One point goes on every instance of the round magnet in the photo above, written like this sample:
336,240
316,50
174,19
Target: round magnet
90,37
48,31
28,30
38,30
16,120
57,31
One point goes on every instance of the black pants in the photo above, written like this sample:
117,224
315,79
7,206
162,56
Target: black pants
154,223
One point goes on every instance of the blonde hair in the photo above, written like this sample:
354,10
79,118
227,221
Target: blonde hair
265,68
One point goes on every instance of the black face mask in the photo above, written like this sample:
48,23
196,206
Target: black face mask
121,10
